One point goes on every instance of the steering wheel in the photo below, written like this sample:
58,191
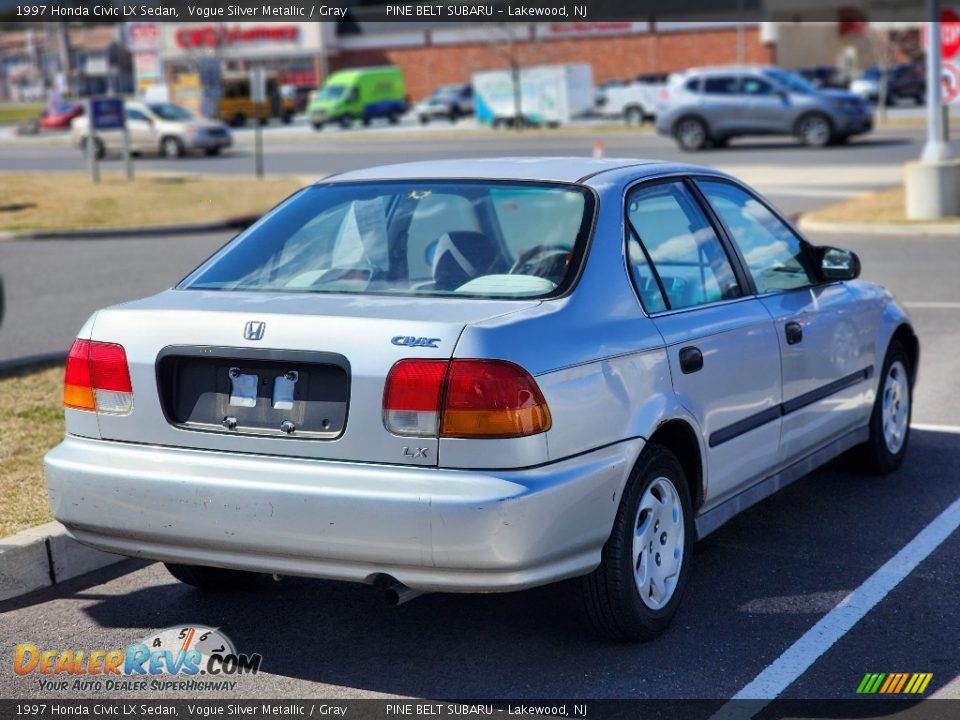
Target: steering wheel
546,261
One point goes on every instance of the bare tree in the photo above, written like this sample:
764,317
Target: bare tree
516,45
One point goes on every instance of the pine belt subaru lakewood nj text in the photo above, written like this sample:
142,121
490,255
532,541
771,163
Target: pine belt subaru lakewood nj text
479,376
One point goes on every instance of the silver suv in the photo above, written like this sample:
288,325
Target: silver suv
708,106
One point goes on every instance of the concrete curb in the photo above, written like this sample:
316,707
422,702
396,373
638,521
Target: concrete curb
43,556
38,362
903,229
238,223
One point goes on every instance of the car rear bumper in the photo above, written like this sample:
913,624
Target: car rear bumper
432,529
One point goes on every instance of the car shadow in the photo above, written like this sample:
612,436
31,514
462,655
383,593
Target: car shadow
754,145
757,585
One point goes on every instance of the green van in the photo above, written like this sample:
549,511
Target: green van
361,94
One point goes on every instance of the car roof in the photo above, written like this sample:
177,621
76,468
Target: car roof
726,69
545,169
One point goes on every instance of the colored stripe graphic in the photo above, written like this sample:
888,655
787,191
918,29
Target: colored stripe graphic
894,683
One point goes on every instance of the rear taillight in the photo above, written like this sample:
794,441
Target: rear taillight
97,378
463,399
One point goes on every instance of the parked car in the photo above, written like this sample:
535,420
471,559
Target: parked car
451,102
164,128
906,81
707,107
360,95
60,116
823,77
441,376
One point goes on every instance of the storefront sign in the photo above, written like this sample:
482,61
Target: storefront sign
216,36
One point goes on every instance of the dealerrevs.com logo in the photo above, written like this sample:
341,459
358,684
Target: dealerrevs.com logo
191,657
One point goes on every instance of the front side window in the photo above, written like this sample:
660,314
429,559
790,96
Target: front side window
756,87
669,231
431,238
776,257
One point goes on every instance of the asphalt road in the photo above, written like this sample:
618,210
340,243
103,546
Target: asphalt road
758,584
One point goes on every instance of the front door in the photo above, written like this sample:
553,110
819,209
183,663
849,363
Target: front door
723,351
826,346
141,128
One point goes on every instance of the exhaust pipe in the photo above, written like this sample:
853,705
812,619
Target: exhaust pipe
398,593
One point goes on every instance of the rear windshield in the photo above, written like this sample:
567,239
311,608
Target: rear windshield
430,238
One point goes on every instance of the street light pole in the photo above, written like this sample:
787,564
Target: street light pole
935,149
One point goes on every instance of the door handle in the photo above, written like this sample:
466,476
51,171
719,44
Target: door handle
794,332
691,360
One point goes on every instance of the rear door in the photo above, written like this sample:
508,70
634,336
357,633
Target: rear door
824,331
720,103
723,351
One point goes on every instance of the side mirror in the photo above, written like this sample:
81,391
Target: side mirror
783,95
836,264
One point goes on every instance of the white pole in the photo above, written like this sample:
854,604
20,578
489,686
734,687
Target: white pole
935,150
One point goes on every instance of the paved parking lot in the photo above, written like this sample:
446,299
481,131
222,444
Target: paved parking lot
758,585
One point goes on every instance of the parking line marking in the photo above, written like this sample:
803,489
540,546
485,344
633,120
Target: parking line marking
795,660
929,427
933,305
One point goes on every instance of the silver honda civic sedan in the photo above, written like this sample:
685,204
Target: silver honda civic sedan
480,376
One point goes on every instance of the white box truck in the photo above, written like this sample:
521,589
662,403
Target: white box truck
549,95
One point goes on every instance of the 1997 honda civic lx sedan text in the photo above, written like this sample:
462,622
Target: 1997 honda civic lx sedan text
477,376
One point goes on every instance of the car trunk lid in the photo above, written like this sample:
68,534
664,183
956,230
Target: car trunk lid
289,374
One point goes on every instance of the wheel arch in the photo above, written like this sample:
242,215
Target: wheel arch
813,112
679,437
689,116
906,336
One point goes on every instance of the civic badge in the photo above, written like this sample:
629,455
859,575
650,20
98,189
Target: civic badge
254,330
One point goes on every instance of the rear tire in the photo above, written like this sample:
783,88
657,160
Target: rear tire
98,149
884,451
636,590
317,126
634,116
691,134
216,579
238,120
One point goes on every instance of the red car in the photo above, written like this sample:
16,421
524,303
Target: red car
60,116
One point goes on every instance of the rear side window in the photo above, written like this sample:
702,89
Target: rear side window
676,258
776,257
721,85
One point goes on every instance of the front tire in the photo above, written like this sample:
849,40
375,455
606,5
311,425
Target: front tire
171,147
216,579
636,590
884,451
815,130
